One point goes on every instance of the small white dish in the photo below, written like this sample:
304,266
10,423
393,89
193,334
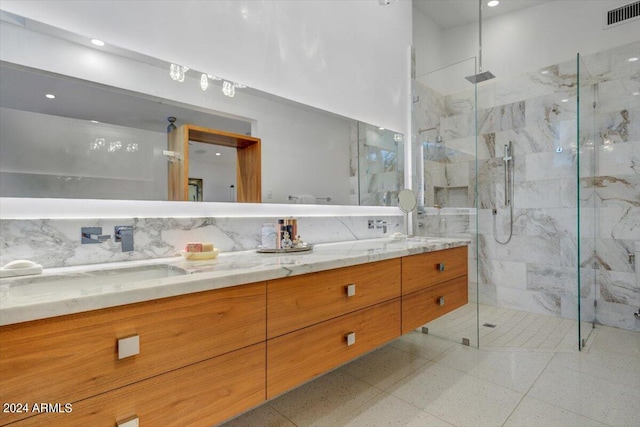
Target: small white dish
198,256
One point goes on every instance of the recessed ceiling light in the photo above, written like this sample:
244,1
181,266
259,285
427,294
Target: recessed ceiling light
544,72
565,100
218,154
633,59
493,3
50,96
97,42
636,93
94,121
381,128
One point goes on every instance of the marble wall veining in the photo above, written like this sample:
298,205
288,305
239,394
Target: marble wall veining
56,242
539,112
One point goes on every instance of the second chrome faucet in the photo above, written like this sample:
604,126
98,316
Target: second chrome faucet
122,234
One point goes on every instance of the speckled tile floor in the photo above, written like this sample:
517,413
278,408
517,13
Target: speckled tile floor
512,328
420,380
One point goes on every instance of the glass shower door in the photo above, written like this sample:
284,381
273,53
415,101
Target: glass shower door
587,221
444,118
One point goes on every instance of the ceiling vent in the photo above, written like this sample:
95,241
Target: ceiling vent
622,15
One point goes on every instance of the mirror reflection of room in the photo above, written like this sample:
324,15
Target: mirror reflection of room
71,146
212,173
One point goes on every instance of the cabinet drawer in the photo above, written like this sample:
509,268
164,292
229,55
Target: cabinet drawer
423,270
73,357
299,301
430,303
202,394
305,354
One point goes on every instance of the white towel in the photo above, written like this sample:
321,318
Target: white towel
307,199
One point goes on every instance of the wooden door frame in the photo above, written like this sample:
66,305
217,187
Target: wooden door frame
248,165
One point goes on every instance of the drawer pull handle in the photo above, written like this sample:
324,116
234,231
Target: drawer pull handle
441,266
441,301
351,338
129,422
351,290
128,347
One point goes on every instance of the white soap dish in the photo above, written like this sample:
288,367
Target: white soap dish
20,267
197,256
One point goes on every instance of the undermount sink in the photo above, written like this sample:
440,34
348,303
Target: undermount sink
103,278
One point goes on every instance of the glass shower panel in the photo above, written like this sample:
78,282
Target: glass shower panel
528,237
444,142
610,186
587,265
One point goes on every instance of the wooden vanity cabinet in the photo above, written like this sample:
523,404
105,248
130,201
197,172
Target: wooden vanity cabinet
202,358
433,284
427,269
300,301
318,321
302,355
74,357
202,394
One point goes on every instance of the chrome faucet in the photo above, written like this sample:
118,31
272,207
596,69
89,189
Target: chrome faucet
124,234
379,223
91,235
382,224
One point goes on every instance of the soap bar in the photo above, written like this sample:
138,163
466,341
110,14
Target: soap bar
207,247
193,247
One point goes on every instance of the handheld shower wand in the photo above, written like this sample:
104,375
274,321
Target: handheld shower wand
508,192
507,159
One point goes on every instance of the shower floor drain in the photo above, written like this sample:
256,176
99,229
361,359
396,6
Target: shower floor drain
489,325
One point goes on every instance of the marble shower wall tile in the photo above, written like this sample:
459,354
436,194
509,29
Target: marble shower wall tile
619,288
619,159
533,302
536,139
620,125
620,223
501,118
612,64
449,223
56,242
623,191
612,94
427,111
554,279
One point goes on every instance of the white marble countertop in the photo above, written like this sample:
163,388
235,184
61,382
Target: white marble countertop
51,294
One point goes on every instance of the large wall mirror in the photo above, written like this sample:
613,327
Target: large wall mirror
104,135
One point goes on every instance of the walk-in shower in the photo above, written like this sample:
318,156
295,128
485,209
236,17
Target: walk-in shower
508,193
563,188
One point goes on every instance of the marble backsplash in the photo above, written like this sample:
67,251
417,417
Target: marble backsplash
56,242
538,112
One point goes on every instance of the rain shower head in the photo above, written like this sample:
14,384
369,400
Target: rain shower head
481,77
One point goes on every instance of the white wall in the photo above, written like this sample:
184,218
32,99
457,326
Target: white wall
427,43
304,151
530,39
348,57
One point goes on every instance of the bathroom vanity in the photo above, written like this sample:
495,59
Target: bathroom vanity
199,348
